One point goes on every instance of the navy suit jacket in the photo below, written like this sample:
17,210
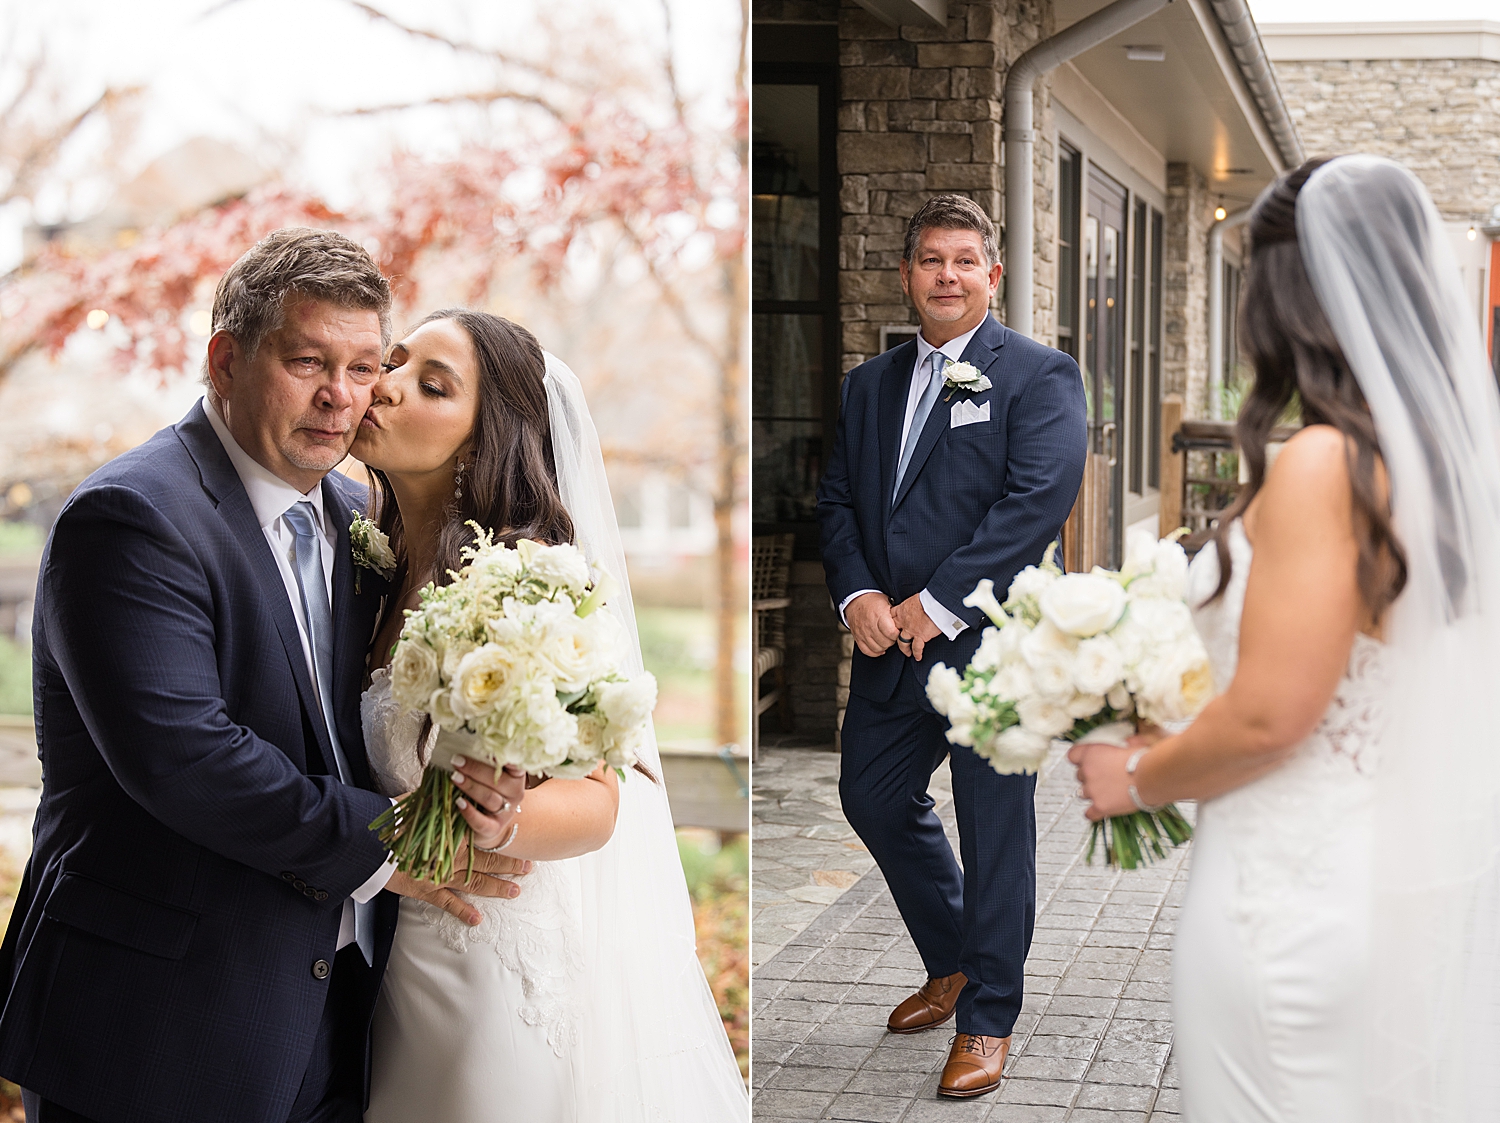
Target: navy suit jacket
982,500
192,851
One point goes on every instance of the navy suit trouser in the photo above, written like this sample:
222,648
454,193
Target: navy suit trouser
977,919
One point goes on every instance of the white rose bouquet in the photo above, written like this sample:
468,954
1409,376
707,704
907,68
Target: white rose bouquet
1083,655
515,665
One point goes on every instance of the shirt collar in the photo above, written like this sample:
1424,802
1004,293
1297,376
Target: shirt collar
270,495
953,349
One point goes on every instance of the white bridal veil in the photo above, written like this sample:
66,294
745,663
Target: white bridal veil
1381,265
653,1047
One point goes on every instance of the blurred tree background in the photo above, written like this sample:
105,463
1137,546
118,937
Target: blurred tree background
576,166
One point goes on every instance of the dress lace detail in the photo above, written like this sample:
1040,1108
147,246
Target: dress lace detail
537,935
1283,826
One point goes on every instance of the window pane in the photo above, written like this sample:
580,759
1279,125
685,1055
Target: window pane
784,183
787,432
1137,353
1069,179
1153,474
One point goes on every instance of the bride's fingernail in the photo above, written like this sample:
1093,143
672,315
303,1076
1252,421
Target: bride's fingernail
460,803
526,866
458,777
459,762
513,891
473,918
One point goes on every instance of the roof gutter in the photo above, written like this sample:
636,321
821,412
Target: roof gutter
1249,52
1020,139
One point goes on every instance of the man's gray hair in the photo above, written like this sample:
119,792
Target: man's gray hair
951,212
250,301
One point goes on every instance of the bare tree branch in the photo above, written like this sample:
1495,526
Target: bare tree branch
45,148
669,66
482,97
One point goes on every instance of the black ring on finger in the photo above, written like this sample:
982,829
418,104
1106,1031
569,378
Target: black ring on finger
905,639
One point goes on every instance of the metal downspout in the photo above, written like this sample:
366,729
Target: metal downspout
1216,356
1020,140
1255,67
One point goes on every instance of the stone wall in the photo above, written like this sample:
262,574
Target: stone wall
813,654
921,114
1184,346
1439,117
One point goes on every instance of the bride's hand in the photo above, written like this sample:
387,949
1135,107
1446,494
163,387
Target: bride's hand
1102,780
489,804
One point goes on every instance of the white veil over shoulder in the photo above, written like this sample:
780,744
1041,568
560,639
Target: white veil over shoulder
653,1047
1380,262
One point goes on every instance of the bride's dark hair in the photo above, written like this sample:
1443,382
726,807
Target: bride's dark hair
1296,355
510,477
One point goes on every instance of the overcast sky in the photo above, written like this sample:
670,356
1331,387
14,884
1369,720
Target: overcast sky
270,75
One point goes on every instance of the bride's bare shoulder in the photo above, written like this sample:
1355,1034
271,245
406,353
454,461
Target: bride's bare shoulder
1309,475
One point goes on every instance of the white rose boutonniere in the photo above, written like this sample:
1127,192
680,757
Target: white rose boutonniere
966,377
371,549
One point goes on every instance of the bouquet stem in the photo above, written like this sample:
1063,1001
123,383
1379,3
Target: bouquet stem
424,829
1129,838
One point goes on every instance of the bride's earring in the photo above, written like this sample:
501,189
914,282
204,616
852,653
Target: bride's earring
458,481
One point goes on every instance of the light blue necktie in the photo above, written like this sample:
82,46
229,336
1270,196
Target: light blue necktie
919,419
319,619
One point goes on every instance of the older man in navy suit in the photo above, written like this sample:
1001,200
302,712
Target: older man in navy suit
201,929
942,476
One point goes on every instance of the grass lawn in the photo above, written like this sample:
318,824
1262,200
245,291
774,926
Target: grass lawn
718,878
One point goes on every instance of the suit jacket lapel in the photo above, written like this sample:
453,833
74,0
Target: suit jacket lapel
982,351
349,639
895,383
223,483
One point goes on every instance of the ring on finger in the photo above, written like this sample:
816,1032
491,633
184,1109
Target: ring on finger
502,809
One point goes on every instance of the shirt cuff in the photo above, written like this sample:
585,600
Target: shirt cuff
377,882
847,601
949,624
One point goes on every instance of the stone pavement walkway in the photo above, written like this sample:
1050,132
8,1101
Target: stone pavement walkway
1093,1044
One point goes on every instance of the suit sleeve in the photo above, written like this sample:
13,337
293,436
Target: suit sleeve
843,554
1047,444
129,618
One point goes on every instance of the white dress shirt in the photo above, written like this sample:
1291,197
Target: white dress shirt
921,373
271,497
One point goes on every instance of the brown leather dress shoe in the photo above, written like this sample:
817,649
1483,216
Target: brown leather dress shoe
974,1065
931,1006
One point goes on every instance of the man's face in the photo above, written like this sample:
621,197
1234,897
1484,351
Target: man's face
949,282
295,405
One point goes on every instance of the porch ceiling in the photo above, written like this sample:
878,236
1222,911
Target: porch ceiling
1194,107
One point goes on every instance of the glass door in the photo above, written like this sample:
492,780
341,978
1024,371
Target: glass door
1104,253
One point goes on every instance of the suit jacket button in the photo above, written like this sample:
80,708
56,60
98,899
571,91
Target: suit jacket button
310,892
298,884
288,875
320,969
322,895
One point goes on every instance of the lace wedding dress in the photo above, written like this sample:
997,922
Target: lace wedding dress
1271,962
474,1025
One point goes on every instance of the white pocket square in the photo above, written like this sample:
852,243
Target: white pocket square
966,412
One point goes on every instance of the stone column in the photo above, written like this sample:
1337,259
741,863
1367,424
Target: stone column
1184,357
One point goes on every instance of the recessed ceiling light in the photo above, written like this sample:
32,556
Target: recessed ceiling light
1146,54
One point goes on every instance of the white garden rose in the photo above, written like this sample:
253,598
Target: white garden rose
961,718
1013,680
1119,699
1140,553
1018,750
627,705
414,673
1085,705
481,679
1175,685
1083,604
1168,573
562,567
1044,717
453,653
990,653
1030,582
944,688
1098,665
1161,622
503,566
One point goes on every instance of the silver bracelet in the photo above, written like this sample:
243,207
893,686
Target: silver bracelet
1135,796
509,838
